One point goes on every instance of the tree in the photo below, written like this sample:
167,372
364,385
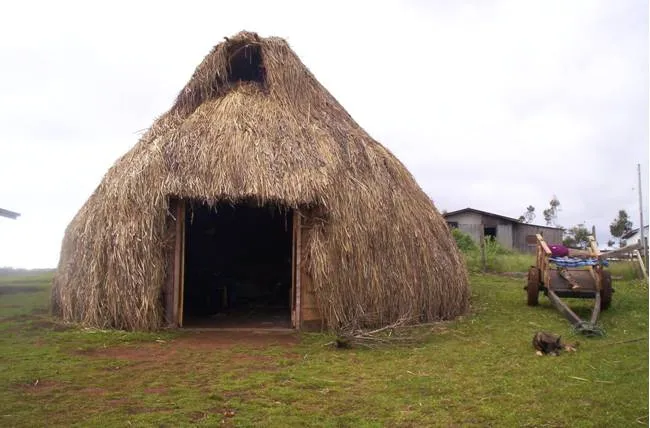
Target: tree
528,216
577,237
550,214
620,226
610,243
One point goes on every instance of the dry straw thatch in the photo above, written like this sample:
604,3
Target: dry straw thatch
377,250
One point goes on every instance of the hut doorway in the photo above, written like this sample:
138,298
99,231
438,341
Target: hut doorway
237,266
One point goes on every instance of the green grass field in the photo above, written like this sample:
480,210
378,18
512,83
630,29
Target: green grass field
478,371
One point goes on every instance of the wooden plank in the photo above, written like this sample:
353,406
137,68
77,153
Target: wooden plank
298,222
594,252
560,284
505,236
170,253
544,252
593,246
310,314
542,264
177,262
311,318
543,244
594,276
292,296
563,308
596,311
308,297
637,253
181,280
621,251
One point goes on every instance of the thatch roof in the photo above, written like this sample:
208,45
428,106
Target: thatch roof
378,251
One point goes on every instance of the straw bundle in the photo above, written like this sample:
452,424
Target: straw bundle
253,123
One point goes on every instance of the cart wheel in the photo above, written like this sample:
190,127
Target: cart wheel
605,290
533,286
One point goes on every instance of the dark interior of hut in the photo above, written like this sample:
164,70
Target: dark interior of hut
245,64
237,266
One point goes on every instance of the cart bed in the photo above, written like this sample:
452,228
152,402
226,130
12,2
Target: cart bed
562,288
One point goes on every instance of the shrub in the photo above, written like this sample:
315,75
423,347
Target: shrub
494,248
498,259
464,241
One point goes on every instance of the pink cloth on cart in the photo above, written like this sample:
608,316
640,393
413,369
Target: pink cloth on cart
558,250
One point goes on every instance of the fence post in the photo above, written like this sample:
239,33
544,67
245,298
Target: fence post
641,264
482,245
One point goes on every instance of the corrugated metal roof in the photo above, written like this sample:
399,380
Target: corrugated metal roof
510,219
634,232
8,214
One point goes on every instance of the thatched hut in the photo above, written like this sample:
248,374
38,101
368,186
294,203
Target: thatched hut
257,200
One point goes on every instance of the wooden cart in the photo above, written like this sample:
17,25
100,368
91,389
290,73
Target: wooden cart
589,282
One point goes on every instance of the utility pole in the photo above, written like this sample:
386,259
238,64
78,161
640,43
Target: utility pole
641,226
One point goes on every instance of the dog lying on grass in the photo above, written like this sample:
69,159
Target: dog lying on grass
551,344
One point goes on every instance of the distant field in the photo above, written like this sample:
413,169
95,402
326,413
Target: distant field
478,371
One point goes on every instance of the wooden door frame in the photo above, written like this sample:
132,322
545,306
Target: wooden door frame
177,272
296,269
179,264
292,293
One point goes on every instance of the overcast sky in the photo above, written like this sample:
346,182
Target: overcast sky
494,105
